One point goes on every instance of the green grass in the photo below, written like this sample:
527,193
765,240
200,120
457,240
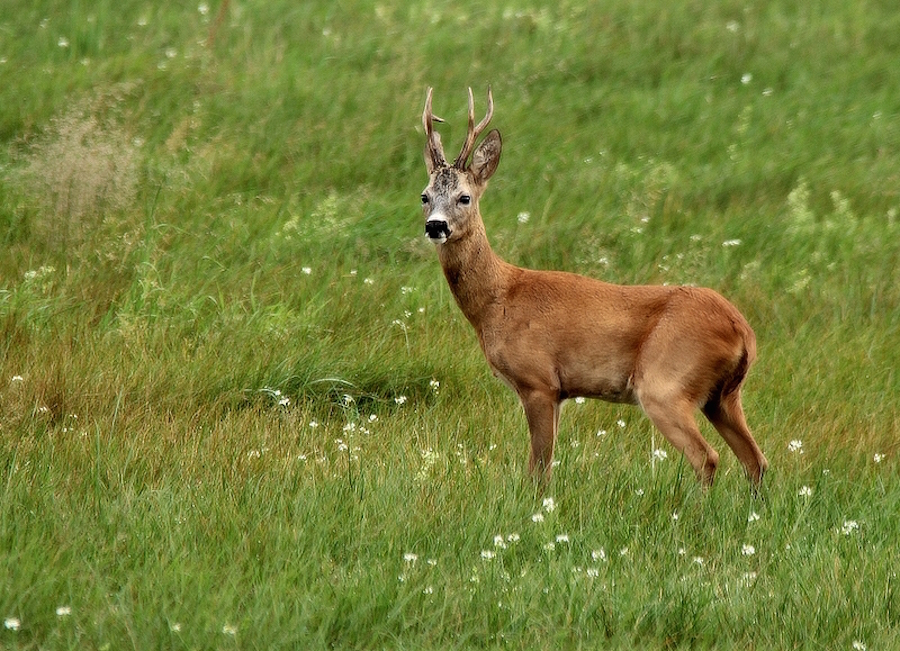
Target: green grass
240,409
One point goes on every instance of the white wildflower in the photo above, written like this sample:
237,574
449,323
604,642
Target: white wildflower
748,579
549,504
796,445
849,527
429,460
748,550
805,491
409,557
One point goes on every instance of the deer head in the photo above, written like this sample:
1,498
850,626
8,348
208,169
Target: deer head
450,201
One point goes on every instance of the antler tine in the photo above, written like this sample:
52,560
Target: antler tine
488,115
435,150
473,130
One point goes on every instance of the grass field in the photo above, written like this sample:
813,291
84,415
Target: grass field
240,409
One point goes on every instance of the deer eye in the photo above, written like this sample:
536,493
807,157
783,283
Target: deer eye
465,200
424,198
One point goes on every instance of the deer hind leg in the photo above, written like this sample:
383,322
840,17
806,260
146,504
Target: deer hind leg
726,414
674,417
542,412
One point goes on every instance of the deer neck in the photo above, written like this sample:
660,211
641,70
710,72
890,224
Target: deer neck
477,276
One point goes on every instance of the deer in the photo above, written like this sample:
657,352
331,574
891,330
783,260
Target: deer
555,335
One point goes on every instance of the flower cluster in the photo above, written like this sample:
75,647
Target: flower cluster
548,506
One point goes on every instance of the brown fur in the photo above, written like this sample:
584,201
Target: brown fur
552,335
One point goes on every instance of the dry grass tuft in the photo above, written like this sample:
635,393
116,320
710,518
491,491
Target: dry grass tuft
83,168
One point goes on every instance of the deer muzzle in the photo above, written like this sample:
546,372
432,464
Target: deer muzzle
437,229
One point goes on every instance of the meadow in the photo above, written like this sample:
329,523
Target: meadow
240,409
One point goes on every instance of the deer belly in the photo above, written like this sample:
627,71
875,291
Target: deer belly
611,389
607,393
557,380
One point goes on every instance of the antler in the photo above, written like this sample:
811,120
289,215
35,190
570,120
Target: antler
473,131
434,148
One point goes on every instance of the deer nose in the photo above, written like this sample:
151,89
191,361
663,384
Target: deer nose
437,228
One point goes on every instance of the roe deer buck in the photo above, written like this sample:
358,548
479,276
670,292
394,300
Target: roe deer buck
553,335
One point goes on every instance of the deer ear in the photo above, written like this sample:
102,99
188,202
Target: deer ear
486,157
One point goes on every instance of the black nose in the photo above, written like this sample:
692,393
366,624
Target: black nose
437,229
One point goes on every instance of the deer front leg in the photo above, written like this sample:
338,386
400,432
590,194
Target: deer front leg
542,412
